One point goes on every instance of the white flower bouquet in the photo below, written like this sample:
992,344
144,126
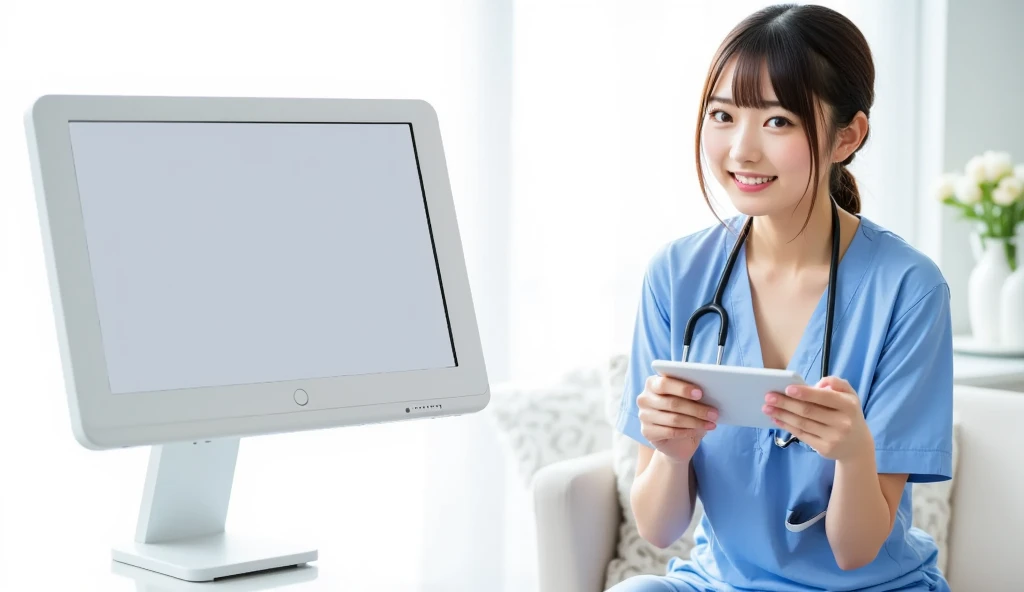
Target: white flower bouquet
990,192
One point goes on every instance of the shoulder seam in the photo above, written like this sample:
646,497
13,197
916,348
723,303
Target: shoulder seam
919,300
911,308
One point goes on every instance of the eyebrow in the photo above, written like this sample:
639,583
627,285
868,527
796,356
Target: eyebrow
728,101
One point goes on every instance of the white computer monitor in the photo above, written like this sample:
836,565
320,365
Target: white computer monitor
230,267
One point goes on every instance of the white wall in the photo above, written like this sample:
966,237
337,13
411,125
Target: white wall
971,89
887,191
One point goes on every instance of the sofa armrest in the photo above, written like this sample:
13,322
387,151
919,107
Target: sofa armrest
576,507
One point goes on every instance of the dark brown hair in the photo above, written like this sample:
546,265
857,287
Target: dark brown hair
812,52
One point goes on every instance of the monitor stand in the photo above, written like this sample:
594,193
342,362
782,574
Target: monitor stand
184,509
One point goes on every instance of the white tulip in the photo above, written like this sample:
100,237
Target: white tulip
1008,190
945,186
967,190
1018,171
997,165
976,169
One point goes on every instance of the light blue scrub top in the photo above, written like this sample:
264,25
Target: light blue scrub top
892,342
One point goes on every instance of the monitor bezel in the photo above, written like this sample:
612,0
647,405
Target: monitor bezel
102,420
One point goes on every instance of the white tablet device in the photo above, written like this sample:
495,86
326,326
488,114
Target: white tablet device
737,392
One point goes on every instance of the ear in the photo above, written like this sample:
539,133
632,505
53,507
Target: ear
849,138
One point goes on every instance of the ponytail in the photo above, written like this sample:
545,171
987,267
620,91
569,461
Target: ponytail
843,187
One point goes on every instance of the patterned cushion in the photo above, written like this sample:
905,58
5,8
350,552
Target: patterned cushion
636,556
542,424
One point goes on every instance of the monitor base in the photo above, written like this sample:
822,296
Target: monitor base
181,528
203,559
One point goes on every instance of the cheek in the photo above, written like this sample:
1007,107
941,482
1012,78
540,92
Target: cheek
792,158
716,149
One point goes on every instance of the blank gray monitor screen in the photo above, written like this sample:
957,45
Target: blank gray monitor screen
239,253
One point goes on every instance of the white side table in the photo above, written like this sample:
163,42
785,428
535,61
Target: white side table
997,373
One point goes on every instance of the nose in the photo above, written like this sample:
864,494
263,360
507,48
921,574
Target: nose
746,144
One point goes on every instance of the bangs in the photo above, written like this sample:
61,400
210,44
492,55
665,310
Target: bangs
789,72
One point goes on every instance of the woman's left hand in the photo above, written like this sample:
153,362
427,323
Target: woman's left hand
827,417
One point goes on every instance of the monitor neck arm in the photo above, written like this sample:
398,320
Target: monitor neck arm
188,488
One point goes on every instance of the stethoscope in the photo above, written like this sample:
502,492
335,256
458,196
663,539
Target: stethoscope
715,306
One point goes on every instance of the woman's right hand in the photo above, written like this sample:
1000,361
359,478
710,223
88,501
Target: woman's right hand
672,419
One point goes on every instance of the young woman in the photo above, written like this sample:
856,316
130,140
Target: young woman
823,500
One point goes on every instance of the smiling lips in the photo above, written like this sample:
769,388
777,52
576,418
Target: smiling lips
751,184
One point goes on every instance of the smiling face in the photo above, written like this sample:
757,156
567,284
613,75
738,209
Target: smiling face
760,155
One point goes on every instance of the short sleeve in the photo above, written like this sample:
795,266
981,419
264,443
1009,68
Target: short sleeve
910,407
651,341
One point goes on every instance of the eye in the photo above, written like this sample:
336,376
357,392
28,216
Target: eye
719,116
780,122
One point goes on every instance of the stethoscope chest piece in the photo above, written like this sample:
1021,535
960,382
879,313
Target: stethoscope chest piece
784,442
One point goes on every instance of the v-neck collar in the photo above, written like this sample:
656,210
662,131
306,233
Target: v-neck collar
852,267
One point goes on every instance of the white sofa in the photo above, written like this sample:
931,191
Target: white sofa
578,513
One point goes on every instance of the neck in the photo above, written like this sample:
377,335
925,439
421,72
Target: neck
777,242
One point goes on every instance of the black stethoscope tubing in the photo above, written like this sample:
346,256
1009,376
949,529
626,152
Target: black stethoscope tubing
715,306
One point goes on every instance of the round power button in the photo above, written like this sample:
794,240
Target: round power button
301,397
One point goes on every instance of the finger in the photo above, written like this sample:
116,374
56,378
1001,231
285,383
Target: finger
666,385
806,437
820,396
812,411
674,420
657,433
683,406
804,425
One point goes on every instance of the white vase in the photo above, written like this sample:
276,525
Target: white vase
984,292
1011,305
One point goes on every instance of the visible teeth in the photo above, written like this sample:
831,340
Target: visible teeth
753,180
